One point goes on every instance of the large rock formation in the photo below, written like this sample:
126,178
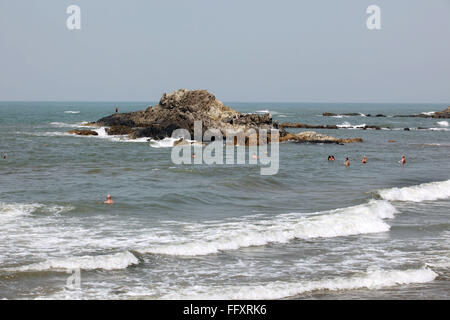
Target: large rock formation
180,109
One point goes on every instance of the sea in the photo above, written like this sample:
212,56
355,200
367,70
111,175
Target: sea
315,230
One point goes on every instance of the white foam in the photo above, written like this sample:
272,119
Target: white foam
266,111
212,238
438,129
423,192
277,290
164,143
117,261
69,125
430,113
72,112
14,210
350,126
443,123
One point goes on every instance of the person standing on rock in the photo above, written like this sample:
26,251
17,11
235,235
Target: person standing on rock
117,109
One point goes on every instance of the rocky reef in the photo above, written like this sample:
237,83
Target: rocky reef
181,108
437,115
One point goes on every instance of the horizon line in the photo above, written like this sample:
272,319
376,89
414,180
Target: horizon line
225,102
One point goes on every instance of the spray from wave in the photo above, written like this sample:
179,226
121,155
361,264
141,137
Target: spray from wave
212,238
277,290
423,192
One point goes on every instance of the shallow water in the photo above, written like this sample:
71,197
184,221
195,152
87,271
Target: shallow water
315,230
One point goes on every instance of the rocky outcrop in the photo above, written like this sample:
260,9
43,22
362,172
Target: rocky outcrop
119,130
328,126
314,137
179,110
436,115
83,132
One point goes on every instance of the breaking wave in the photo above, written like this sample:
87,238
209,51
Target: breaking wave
423,192
443,123
72,112
277,290
212,238
116,261
13,210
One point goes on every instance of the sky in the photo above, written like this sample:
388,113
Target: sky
240,50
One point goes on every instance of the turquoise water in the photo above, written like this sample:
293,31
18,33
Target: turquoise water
315,230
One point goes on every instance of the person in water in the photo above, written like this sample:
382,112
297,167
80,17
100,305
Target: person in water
109,200
347,162
254,156
331,158
364,160
403,161
194,156
5,157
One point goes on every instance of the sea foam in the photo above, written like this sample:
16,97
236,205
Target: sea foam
212,238
117,261
422,192
277,290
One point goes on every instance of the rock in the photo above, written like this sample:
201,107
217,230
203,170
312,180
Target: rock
406,129
437,115
179,110
83,132
119,130
329,114
314,137
310,126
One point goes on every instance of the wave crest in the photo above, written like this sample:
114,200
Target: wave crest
117,261
422,192
212,238
278,290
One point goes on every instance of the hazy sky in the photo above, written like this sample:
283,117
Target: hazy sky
241,50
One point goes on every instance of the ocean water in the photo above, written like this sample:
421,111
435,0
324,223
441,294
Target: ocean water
316,230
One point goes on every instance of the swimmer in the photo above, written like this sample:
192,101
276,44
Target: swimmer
108,200
403,161
347,162
254,156
331,158
194,156
5,157
364,160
